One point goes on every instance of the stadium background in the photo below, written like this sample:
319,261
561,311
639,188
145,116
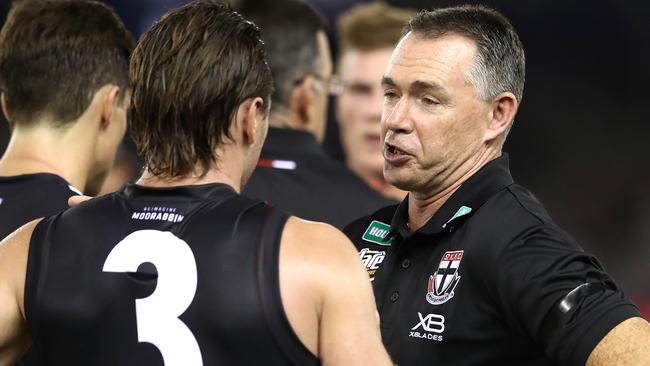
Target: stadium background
580,140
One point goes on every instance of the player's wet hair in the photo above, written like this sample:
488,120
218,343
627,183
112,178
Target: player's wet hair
500,63
56,54
289,29
190,73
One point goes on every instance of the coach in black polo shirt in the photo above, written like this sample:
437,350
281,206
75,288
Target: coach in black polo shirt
294,172
470,269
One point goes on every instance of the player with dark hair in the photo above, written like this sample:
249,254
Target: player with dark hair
180,269
476,272
65,92
294,172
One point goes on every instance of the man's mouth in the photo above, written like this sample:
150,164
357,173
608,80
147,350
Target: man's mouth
394,155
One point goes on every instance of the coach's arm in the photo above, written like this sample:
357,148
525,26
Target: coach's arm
627,344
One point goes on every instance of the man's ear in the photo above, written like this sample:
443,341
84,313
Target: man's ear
5,107
108,104
301,99
502,114
251,115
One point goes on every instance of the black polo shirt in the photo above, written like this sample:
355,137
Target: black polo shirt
490,279
296,175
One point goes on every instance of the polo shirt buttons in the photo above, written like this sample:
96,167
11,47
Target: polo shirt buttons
406,263
394,296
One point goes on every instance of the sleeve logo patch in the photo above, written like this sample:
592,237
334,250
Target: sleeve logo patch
377,232
372,260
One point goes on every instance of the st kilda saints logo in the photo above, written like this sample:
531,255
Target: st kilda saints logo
444,281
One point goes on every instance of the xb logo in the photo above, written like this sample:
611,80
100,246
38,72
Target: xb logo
431,323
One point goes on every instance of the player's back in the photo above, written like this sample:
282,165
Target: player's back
188,275
24,198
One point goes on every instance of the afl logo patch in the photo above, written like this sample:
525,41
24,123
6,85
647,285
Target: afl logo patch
444,281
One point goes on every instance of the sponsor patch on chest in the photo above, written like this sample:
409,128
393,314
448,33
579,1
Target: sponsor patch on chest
377,232
429,327
443,282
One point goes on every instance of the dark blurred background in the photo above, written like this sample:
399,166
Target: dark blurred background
580,139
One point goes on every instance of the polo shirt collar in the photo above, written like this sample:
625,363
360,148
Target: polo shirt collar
472,194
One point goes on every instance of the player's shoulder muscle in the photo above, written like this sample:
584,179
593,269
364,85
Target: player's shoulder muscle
322,245
14,250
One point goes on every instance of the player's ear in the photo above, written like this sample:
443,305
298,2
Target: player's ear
109,101
501,115
5,107
251,112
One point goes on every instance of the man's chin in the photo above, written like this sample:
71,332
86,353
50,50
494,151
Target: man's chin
402,183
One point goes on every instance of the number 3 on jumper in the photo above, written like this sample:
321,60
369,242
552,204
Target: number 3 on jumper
157,315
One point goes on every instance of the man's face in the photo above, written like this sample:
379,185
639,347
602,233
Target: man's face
433,123
359,107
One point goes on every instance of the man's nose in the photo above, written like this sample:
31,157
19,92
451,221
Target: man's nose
396,117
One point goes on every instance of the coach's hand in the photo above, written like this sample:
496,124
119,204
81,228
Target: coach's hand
75,200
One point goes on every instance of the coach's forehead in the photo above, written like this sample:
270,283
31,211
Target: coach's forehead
444,59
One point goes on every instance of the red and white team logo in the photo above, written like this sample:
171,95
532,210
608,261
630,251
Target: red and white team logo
444,281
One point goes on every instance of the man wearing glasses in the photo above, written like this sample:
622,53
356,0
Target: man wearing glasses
294,172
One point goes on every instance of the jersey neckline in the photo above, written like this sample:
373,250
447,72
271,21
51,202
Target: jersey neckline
198,191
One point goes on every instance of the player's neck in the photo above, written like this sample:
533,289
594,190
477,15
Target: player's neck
225,171
423,205
161,181
40,149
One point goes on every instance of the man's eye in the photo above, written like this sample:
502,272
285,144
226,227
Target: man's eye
389,95
429,101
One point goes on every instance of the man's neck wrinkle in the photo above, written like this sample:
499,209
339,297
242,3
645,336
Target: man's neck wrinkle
422,206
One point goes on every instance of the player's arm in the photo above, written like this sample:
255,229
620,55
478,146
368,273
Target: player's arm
627,344
14,337
325,288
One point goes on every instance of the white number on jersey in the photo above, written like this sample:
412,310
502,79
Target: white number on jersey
157,315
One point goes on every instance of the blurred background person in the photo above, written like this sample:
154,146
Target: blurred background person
65,92
367,35
294,171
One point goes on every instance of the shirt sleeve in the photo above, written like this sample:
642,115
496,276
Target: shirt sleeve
558,295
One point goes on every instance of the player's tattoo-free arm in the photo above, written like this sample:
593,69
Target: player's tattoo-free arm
14,337
627,344
328,270
349,323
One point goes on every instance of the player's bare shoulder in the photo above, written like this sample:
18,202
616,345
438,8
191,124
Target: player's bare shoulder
14,249
326,249
327,296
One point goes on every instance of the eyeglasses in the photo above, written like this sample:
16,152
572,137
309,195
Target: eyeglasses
332,84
